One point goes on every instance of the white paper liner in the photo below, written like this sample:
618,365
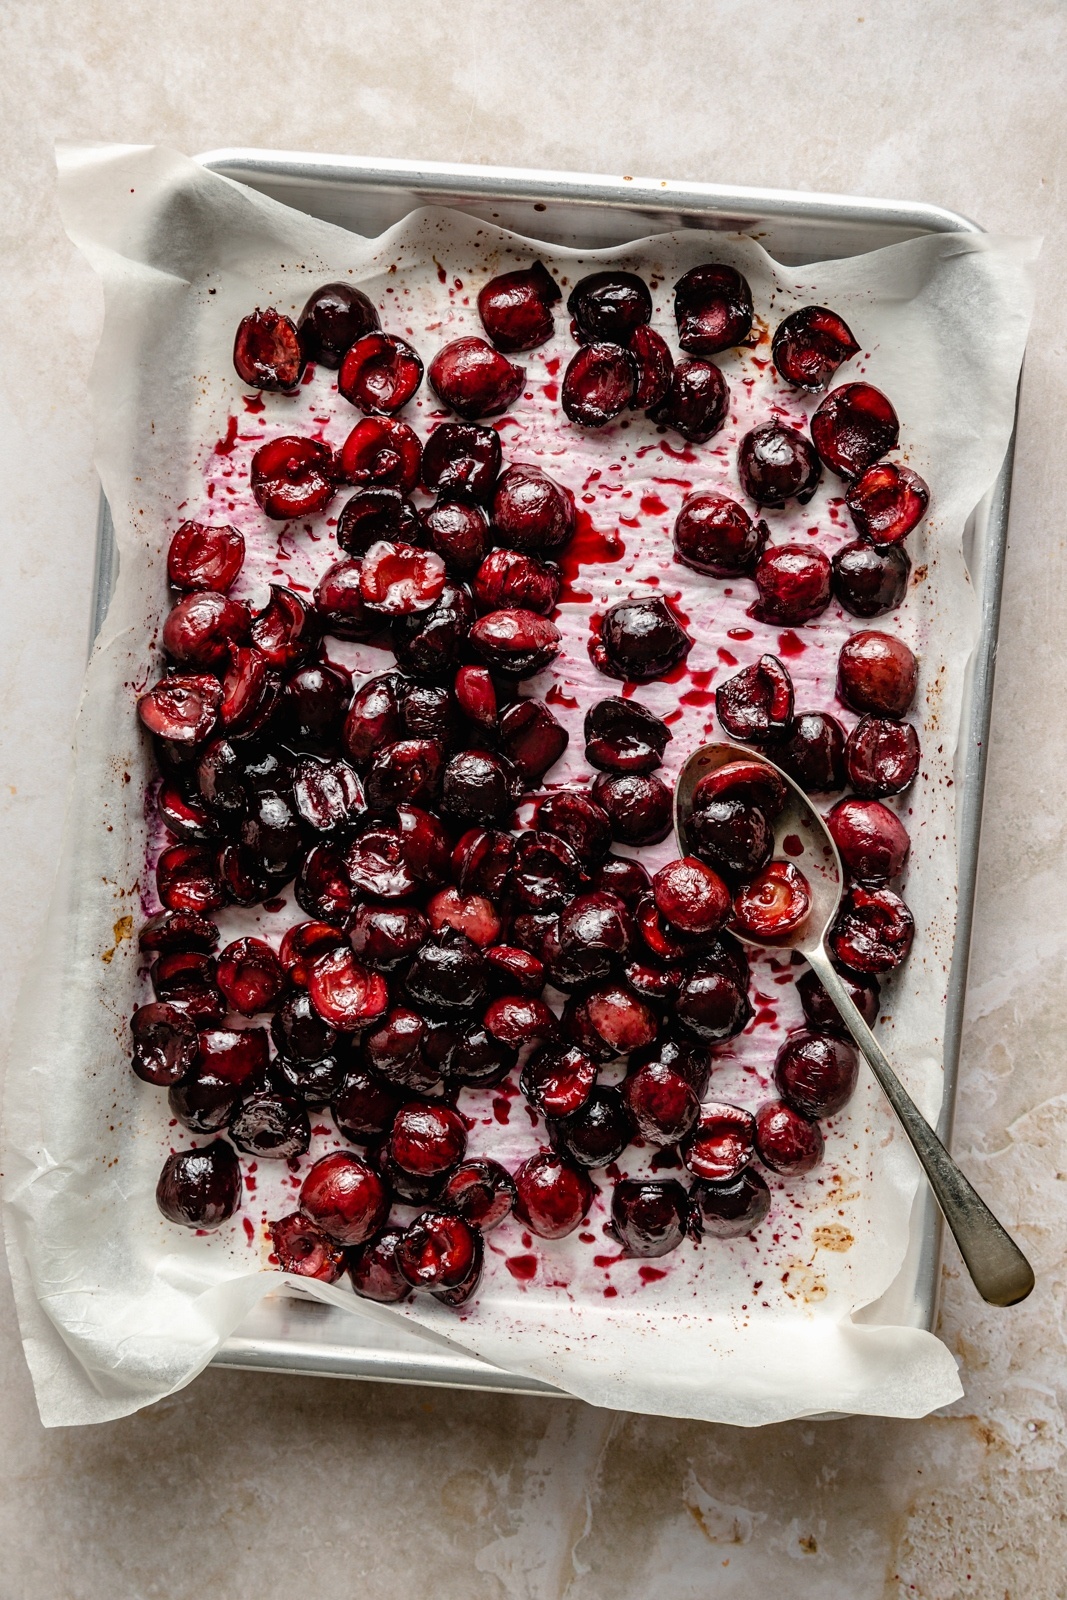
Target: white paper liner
118,1307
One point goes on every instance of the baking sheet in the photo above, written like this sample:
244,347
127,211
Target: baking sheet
183,255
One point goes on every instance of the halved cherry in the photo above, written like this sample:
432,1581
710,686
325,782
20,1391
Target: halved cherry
757,702
285,629
716,535
662,1103
558,1079
516,643
182,709
164,1043
340,604
382,451
374,512
517,1020
472,914
531,511
345,994
691,896
344,1196
302,944
776,463
266,351
516,308
775,904
609,306
438,1251
293,477
886,502
853,428
187,879
376,865
178,930
205,556
722,1144
476,694
599,383
380,373
305,1250
794,582
552,1195
655,367
474,380
786,1141
873,931
810,345
335,316
713,309
752,782
250,976
199,630
398,579
250,689
461,459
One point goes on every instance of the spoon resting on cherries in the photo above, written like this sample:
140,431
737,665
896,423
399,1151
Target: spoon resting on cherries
792,905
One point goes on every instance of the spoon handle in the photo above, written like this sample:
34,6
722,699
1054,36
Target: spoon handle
1001,1273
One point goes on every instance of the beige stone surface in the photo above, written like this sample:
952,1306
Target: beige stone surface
256,1486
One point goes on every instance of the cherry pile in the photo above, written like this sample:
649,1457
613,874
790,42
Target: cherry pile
434,925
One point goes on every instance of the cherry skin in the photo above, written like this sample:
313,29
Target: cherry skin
531,511
624,736
815,1073
662,1103
558,1079
304,1250
459,532
482,1192
461,459
776,464
873,931
881,757
250,976
202,626
552,1196
734,1208
871,840
640,640
293,477
474,380
271,1126
380,373
649,1217
869,582
383,451
756,704
427,1139
696,404
877,673
820,1010
164,1043
813,752
712,1004
579,820
721,1144
345,994
599,383
266,352
374,1272
334,317
638,806
345,1197
532,739
810,345
713,309
691,896
886,502
438,1251
376,511
794,584
515,642
183,709
853,428
786,1141
775,904
733,838
655,367
200,1188
609,306
205,556
715,534
516,308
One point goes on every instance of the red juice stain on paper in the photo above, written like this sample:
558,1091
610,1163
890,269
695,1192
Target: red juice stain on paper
653,506
792,845
250,1232
254,402
726,658
590,547
739,633
501,1108
551,391
522,1267
556,697
552,366
650,1274
226,445
790,645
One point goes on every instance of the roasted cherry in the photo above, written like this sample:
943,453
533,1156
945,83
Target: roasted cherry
470,914
365,1105
638,806
599,383
304,1250
380,373
871,840
396,1050
476,1058
376,512
820,1009
531,511
427,1138
853,428
200,1188
886,502
596,924
610,1020
373,720
385,937
624,736
483,861
714,534
815,1073
346,994
881,757
250,976
474,380
547,872
293,477
649,1217
794,584
655,367
516,308
688,1060
187,879
205,556
558,1079
712,1003
432,643
813,752
609,306
202,626
461,459
623,877
662,1103
512,969
374,1272
448,975
691,896
459,532
516,1020
580,821
775,904
787,1141
327,794
482,1192
516,643
810,345
697,402
271,1126
285,629
532,739
324,884
266,352
756,704
339,604
334,317
752,782
869,581
873,931
640,640
302,943
397,579
552,1196
775,463
178,930
438,1251
721,1144
877,673
476,788
382,451
164,1043
734,838
728,1210
713,309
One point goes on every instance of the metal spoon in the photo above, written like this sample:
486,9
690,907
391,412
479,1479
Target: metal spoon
1001,1273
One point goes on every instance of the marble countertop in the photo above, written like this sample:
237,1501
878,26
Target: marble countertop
242,1484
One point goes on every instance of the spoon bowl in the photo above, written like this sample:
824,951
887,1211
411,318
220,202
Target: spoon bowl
1000,1271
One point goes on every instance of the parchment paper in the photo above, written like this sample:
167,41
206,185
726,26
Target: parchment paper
117,1306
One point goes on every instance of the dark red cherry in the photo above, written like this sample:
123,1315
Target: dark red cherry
470,914
242,875
820,1009
205,556
638,806
251,688
202,626
432,643
459,532
339,604
425,847
164,1043
794,584
714,534
382,451
482,1192
721,1144
609,306
476,788
697,402
293,477
187,978
613,1019
655,367
649,1217
547,873
516,308
871,840
531,737
517,1020
473,1057
385,937
575,818
869,582
622,877
183,708
304,1250
365,1105
334,317
691,896
398,579
624,736
271,1126
461,459
514,970
323,886
640,640
204,1101
302,943
712,1004
531,511
786,1141
752,782
775,464
397,1051
447,976
756,704
427,1139
299,1032
813,752
713,309
688,1060
734,838
558,1079
438,1251
728,1210
429,711
266,352
810,345
474,380
483,861
187,879
815,1073
877,672
314,1082
662,1103
886,502
853,428
184,815
882,757
775,904
178,930
250,976
873,931
509,579
552,1195
315,700
373,720
373,513
595,922
374,1272
271,831
200,1188
599,383
344,1197
515,643
380,373
346,995
327,795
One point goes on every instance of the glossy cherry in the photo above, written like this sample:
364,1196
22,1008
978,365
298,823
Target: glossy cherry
558,1079
346,994
878,673
474,380
339,603
638,806
304,1250
178,930
722,1142
853,428
266,352
882,757
250,976
552,1195
187,879
813,752
431,644
774,904
482,1192
869,582
398,579
886,502
871,840
655,367
516,308
624,736
793,581
640,640
697,402
712,1004
427,1138
609,306
205,556
713,309
382,451
380,373
448,975
438,1251
810,345
461,459
164,1043
531,511
873,931
293,477
715,534
756,704
200,1188
775,464
734,838
365,1105
729,1210
573,816
691,896
459,532
662,1103
787,1141
376,512
202,626
374,1272
599,383
333,318
610,1020
476,788
815,1073
345,1197
820,1010
271,1126
649,1217
532,739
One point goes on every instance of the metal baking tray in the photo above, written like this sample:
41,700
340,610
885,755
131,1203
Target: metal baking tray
289,1332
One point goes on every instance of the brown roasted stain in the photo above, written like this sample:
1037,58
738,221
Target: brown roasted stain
832,1236
123,929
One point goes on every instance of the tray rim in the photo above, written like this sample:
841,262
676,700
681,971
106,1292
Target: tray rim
741,204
